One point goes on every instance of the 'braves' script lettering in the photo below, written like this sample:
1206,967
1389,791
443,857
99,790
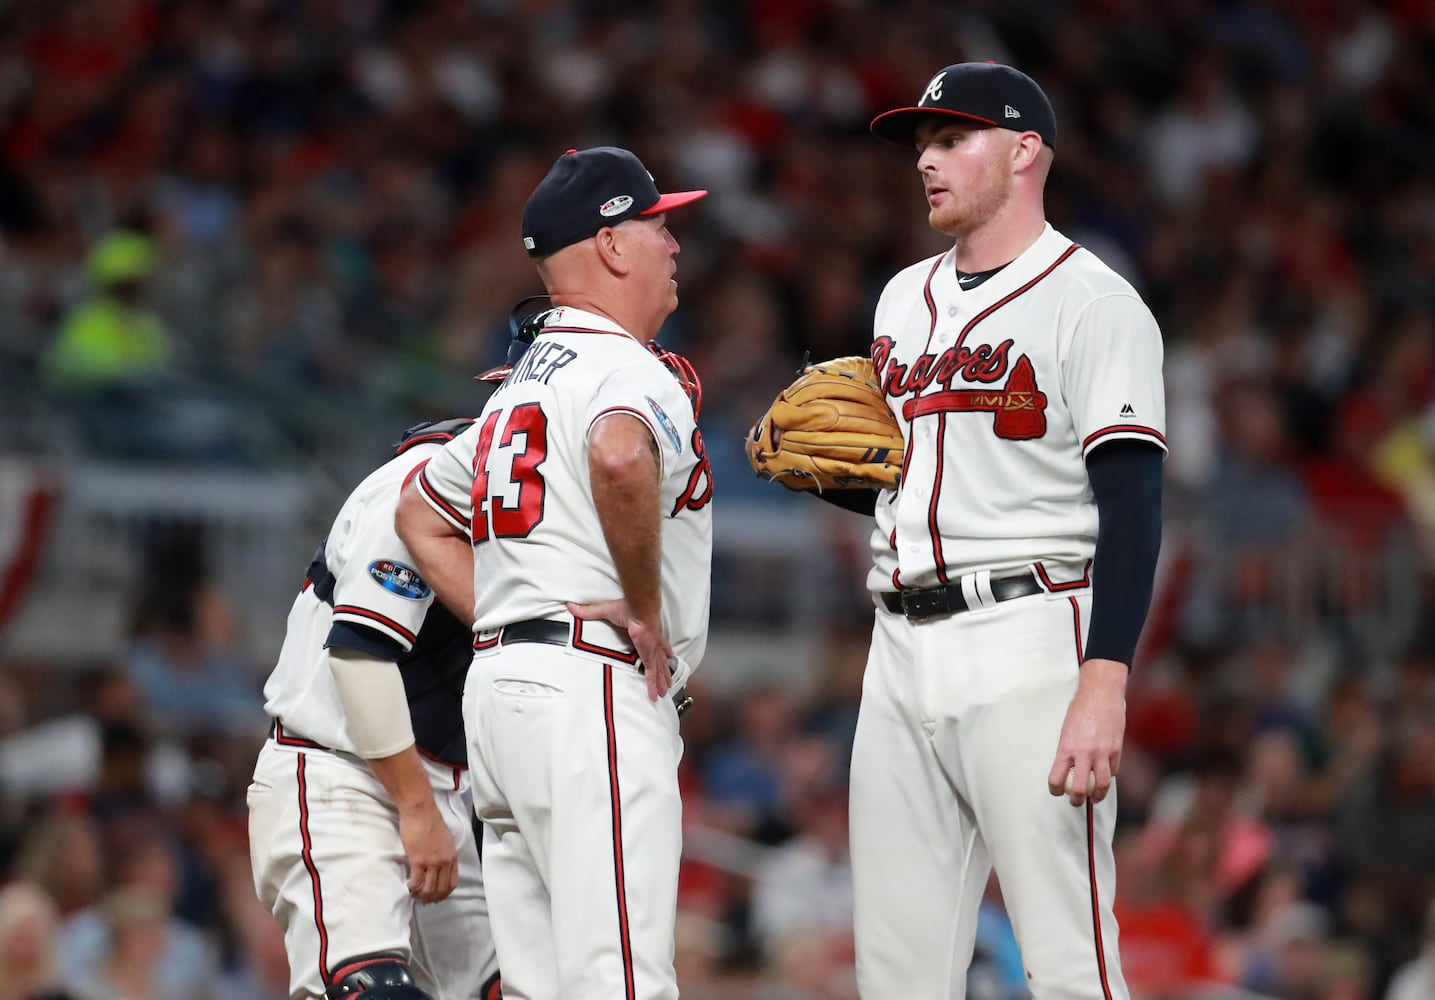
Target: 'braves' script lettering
983,363
1019,406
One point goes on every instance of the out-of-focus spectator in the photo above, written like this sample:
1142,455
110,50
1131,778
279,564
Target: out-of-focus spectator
112,339
701,944
806,883
28,922
182,658
810,965
133,965
744,776
1286,961
63,854
1168,949
134,929
1415,980
260,970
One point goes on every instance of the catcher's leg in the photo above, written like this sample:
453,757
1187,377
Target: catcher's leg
328,861
452,941
919,866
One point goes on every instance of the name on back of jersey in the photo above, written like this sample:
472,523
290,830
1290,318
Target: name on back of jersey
541,362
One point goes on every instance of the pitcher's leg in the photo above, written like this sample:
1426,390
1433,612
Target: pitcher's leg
918,865
1054,860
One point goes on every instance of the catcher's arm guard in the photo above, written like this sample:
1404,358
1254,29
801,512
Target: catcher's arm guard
831,429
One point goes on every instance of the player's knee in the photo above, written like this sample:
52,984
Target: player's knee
375,977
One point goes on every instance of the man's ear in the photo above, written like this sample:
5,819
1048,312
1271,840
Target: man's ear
610,250
1027,150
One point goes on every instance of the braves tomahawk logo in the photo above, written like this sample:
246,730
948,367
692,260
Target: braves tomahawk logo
1019,406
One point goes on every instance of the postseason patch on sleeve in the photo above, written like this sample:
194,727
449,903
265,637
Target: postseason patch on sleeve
399,579
666,423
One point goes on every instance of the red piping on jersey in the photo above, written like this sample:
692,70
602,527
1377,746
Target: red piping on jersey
1119,428
588,329
932,525
1091,834
593,647
290,740
1011,295
1095,898
907,456
412,472
1056,588
488,643
443,505
940,560
414,442
616,802
621,409
458,769
931,300
307,853
374,616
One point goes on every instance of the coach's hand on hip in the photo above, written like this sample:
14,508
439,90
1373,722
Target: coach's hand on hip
1092,734
652,646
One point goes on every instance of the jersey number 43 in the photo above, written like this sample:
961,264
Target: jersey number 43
491,513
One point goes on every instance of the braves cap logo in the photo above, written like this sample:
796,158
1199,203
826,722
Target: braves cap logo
933,91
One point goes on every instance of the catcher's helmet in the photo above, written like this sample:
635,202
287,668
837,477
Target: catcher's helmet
523,327
381,977
684,372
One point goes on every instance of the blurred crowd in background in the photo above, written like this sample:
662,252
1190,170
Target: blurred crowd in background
263,232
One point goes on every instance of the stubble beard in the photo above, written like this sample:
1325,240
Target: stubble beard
969,213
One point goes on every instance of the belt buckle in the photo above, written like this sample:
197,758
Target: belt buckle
917,605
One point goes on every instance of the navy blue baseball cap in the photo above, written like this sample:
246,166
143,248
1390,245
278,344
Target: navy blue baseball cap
985,93
587,189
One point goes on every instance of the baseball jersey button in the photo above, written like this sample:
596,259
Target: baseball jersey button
951,310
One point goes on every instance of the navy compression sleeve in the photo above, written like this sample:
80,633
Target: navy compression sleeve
859,501
1126,478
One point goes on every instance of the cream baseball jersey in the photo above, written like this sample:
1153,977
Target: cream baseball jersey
1011,384
517,481
363,592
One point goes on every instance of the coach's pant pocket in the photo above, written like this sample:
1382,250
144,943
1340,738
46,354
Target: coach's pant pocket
516,688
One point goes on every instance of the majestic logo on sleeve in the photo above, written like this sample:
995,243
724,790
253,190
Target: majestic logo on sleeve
1019,405
399,579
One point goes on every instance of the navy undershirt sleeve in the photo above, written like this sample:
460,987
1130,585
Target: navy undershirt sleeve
859,501
1126,478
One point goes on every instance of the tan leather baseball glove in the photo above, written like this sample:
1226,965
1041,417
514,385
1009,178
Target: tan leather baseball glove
831,429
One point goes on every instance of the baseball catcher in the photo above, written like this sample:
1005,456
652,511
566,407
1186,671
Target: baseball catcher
831,429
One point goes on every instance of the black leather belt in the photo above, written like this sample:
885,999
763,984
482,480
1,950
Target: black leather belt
929,602
550,633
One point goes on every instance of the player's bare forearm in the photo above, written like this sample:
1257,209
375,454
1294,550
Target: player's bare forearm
428,844
1089,752
444,553
623,467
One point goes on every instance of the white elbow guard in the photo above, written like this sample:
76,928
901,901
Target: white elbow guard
375,706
